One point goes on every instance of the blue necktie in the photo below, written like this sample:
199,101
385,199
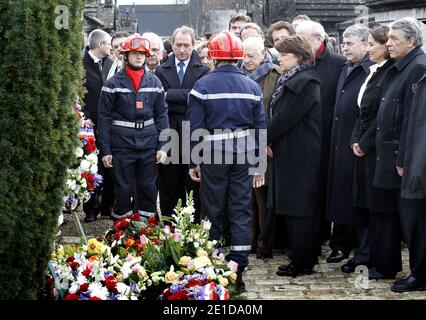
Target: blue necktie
181,74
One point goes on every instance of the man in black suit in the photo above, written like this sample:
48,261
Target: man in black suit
178,75
97,65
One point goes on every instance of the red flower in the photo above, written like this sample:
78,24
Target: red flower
150,232
84,287
130,242
99,238
152,220
86,272
70,259
121,224
94,298
180,295
143,230
90,179
90,146
118,235
72,296
135,217
111,283
73,265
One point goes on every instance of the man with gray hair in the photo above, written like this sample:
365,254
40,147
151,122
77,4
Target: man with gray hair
328,66
347,221
404,45
156,50
96,64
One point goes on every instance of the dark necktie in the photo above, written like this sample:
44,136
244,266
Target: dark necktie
99,63
181,74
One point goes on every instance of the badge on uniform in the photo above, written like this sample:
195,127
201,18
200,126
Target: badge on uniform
139,105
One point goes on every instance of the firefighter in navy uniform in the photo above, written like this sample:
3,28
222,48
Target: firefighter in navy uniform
227,100
132,113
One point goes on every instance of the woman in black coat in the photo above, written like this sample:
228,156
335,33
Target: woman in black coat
382,205
294,139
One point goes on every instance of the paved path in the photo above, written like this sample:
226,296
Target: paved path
326,283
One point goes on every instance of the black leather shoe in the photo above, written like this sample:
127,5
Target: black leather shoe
409,284
290,271
374,274
351,265
106,212
336,256
90,217
241,286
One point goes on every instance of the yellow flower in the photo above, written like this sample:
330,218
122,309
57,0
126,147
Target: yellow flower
142,273
61,251
170,277
94,246
223,281
200,262
233,277
201,253
184,261
119,277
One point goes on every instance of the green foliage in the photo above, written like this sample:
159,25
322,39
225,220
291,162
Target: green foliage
40,74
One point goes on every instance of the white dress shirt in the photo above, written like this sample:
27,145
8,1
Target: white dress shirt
373,70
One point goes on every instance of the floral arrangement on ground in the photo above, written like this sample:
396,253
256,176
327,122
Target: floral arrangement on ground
145,259
83,178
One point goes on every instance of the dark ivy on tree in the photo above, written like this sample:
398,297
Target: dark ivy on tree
40,78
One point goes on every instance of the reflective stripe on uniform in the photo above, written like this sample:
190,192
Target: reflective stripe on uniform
146,213
137,125
240,248
226,136
158,90
216,96
125,90
117,216
114,90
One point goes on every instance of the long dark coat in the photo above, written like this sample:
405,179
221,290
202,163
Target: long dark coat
342,159
392,118
93,84
294,130
328,67
364,194
414,179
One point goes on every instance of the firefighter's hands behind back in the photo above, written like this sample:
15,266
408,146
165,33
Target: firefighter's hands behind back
195,173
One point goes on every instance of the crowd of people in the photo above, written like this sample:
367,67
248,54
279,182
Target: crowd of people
344,138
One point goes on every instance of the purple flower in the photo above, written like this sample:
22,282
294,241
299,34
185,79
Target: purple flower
98,180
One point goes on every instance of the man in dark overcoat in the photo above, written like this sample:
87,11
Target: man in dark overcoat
342,160
97,65
328,66
178,75
404,45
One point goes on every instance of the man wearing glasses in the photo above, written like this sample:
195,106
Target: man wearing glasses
156,51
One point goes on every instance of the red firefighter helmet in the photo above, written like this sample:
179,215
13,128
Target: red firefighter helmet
225,46
137,44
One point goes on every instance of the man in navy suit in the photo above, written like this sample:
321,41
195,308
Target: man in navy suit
178,75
